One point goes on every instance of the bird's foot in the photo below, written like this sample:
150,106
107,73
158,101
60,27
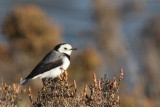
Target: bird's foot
62,68
63,75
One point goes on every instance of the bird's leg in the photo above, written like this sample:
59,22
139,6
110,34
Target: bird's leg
62,68
65,72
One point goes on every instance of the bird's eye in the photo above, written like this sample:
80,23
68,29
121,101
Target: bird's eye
65,48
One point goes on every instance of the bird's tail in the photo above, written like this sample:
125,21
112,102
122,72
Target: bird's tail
24,81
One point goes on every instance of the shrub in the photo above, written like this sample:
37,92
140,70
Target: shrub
57,92
10,95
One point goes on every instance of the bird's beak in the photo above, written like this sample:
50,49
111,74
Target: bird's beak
74,49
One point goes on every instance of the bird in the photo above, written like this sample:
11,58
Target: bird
53,64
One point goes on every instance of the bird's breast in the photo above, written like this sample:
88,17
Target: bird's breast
66,63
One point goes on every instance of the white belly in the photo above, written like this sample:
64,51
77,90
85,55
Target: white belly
56,71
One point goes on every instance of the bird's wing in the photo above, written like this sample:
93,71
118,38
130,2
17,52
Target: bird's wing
52,60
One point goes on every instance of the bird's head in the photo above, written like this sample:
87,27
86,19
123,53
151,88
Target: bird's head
64,48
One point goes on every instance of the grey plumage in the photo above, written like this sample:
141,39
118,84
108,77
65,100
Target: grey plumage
51,60
50,65
52,56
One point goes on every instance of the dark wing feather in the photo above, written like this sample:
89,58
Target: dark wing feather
52,60
43,67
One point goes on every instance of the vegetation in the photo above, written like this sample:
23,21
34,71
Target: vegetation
10,95
26,24
58,92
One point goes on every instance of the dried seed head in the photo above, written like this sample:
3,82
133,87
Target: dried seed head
121,72
95,79
93,90
60,77
99,85
74,83
121,76
114,84
85,90
117,100
62,83
14,87
112,96
29,89
17,89
94,75
66,75
14,96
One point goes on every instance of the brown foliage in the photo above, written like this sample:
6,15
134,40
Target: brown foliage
30,30
57,92
9,95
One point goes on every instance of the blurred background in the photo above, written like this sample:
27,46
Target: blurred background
109,34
